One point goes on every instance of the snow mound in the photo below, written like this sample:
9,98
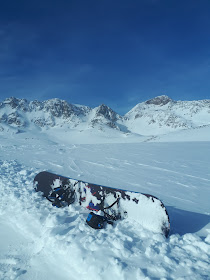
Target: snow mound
39,241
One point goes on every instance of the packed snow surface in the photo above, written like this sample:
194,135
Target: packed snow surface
39,241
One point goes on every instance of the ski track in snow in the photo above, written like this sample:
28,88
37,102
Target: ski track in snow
38,241
171,171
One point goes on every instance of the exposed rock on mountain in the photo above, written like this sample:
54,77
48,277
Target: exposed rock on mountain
159,100
107,113
104,115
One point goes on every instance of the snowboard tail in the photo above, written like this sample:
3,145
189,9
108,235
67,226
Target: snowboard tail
145,209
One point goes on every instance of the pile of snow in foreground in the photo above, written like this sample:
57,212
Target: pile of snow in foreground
38,241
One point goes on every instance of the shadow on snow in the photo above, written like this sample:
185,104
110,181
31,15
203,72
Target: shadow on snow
183,221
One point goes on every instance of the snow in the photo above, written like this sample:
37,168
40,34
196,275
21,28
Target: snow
39,241
187,135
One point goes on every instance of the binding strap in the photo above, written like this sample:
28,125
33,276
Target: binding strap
108,207
112,217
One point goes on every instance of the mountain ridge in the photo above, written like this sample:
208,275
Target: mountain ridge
160,115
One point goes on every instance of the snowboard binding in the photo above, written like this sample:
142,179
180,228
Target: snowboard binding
62,196
97,221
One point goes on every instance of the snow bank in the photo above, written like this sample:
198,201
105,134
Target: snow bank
42,242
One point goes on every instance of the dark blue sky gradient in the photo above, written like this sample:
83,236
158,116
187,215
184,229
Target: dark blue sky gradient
115,52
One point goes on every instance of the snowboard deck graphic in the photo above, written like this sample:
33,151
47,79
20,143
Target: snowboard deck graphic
145,209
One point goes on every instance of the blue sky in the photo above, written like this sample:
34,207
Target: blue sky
115,52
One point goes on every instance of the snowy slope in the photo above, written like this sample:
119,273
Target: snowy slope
38,241
201,133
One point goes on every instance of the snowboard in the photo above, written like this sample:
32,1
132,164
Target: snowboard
115,204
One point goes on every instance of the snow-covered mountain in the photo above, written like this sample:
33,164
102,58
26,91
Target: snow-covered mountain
20,113
162,115
157,116
55,112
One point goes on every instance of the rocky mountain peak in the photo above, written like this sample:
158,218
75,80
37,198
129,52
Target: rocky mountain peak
159,100
107,112
60,108
16,103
